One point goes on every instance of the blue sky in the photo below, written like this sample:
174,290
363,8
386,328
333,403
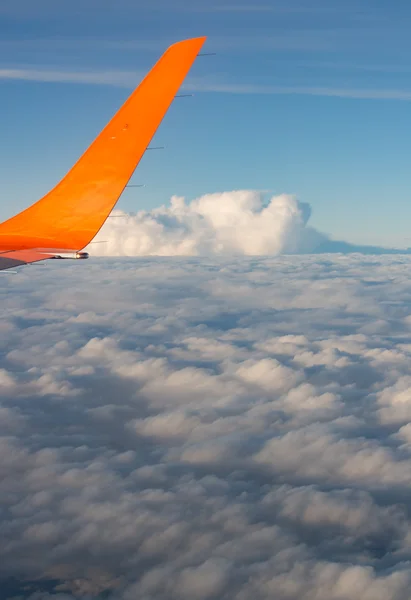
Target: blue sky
304,97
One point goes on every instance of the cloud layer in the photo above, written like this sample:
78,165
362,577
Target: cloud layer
237,222
206,429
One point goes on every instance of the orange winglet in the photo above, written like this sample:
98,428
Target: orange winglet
71,214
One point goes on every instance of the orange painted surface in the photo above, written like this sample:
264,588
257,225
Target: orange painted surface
69,216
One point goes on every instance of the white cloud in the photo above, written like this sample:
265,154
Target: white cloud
237,222
116,78
219,428
240,222
129,79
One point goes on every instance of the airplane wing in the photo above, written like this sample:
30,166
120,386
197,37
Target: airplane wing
10,260
67,218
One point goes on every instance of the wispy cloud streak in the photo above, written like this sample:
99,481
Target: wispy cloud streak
116,78
129,79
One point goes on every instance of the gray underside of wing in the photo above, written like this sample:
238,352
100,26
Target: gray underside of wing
10,263
18,258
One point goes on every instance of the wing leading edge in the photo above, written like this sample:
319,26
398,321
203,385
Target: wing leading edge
70,215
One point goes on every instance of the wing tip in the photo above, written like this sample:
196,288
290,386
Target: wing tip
195,41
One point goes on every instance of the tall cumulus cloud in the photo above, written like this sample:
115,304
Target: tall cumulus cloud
227,223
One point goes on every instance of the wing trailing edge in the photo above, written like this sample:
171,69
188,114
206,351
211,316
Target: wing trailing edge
18,258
